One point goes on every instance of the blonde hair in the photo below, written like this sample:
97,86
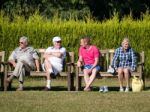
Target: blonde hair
125,40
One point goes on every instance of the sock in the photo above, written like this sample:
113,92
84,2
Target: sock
48,84
20,84
121,87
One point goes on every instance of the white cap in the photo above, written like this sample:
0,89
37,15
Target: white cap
55,39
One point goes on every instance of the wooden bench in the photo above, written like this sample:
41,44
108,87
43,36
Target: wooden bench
2,56
67,70
105,61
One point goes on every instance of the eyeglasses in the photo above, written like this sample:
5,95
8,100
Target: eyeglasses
21,43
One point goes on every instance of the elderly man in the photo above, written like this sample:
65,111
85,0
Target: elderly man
54,57
23,58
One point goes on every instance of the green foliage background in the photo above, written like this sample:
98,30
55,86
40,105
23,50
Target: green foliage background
105,34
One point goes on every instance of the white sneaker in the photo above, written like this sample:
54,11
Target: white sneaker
121,90
105,89
127,89
101,89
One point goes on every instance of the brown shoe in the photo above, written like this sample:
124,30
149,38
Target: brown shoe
19,89
8,80
46,89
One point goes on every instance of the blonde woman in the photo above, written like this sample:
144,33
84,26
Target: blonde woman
124,62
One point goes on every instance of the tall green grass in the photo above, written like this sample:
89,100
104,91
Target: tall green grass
105,34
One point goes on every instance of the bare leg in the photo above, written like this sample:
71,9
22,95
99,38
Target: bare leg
49,70
120,77
48,67
92,77
126,73
86,76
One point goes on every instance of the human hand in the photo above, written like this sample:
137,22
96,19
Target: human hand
90,71
79,64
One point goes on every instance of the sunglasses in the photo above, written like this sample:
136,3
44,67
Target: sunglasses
58,41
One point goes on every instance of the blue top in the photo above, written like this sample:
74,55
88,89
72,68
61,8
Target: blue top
124,59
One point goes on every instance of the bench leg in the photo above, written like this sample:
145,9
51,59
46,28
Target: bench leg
80,83
143,78
5,77
2,80
70,81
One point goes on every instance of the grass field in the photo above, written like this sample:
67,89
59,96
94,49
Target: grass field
33,99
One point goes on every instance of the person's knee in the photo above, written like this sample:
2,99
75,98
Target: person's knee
94,71
85,71
126,71
120,71
46,62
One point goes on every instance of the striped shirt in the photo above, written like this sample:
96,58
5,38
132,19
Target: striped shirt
124,59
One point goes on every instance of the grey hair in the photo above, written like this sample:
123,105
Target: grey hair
25,39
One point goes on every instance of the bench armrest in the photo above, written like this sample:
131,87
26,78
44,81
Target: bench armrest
141,63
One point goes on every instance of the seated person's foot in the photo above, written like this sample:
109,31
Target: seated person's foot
87,89
19,89
8,80
127,89
121,89
46,89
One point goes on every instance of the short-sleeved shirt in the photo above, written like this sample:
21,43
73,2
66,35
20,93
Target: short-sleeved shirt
61,50
124,59
27,54
89,55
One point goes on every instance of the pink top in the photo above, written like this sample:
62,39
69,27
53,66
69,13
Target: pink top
89,55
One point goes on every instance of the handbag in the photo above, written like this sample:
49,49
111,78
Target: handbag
137,84
111,70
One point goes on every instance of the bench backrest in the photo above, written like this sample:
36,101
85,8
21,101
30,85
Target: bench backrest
69,56
2,57
108,54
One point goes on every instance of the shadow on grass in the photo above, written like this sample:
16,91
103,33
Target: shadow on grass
113,89
147,89
55,88
63,88
109,88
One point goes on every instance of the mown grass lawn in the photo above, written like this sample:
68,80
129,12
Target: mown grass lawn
33,99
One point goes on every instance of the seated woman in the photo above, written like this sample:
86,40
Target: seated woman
124,62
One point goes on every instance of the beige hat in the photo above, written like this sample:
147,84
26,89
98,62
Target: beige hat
55,39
